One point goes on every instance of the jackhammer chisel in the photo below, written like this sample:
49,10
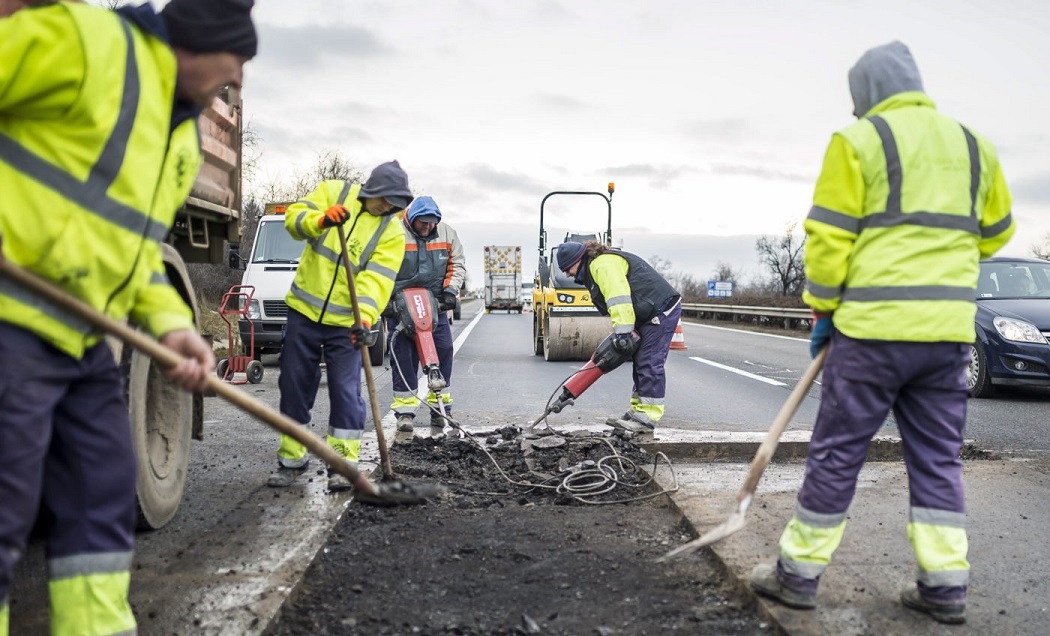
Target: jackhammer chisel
604,360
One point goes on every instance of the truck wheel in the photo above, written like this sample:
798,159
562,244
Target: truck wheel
161,425
377,352
254,372
221,367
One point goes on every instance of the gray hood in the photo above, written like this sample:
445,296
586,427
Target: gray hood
882,72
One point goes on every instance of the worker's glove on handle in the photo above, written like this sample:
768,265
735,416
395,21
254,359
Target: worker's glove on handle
333,216
362,335
625,342
821,333
448,301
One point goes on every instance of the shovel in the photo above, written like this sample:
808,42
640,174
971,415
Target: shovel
364,490
366,364
737,519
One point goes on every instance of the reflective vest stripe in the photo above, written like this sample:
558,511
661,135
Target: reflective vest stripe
159,278
823,291
819,519
893,163
842,221
618,300
345,433
910,292
87,564
12,290
975,169
381,270
998,228
933,516
318,302
91,194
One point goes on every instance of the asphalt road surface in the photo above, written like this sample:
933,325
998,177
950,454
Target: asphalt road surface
235,548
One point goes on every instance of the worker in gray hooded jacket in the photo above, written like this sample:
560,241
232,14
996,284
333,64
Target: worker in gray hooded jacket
907,203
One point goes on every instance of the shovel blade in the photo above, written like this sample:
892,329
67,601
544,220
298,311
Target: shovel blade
398,493
735,522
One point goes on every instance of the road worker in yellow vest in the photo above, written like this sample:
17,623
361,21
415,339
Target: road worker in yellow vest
98,149
907,203
320,312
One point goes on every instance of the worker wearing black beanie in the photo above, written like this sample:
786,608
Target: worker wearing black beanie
211,26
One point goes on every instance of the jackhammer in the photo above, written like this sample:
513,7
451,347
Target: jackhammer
605,359
417,315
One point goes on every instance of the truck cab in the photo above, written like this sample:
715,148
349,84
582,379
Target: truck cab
270,269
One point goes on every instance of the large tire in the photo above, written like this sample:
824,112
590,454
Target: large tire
377,352
537,335
161,424
978,379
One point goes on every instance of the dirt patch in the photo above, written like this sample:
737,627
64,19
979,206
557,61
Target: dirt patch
972,451
491,557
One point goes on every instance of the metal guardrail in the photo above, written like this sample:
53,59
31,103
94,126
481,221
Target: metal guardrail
791,317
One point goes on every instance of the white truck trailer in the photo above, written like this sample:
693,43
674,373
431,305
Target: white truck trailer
503,278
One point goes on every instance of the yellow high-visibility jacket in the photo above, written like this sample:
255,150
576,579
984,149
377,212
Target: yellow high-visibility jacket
91,174
376,245
907,203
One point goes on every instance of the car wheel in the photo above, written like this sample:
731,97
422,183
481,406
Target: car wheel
978,380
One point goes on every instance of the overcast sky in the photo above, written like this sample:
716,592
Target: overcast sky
710,117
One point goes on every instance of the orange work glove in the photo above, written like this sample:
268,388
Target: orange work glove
333,216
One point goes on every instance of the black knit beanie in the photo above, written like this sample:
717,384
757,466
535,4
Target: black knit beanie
211,26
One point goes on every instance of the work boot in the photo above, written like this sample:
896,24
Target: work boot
285,476
337,482
405,423
437,426
628,423
764,580
947,613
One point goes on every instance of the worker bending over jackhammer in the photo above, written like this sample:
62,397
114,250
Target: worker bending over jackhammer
321,312
433,261
907,203
638,300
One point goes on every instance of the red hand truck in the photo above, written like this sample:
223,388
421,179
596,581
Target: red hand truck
239,358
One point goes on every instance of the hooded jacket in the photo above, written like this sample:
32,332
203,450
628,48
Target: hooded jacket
625,288
906,204
435,262
92,170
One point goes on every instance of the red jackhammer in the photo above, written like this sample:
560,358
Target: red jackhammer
604,360
417,315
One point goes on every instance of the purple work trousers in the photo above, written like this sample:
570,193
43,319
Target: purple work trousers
650,381
65,447
925,385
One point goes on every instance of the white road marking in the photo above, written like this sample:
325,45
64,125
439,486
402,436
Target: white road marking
737,371
753,333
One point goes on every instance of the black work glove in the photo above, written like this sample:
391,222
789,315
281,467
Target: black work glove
623,343
448,300
362,335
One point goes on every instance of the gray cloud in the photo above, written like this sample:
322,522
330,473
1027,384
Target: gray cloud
1033,189
560,102
760,172
493,179
658,176
716,129
310,45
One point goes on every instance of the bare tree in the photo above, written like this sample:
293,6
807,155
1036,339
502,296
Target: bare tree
1042,248
725,272
782,258
662,266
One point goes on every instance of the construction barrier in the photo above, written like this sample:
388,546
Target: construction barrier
678,339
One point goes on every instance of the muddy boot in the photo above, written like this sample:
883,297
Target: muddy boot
627,422
437,426
947,613
405,423
285,476
764,580
337,482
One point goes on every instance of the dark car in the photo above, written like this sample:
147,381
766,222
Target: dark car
1013,324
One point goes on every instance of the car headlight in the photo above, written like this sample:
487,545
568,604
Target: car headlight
1018,330
254,312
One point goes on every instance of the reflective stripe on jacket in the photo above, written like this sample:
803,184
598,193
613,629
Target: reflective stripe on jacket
435,262
376,245
907,202
90,171
625,288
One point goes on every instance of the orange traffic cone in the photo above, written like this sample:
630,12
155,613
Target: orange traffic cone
678,339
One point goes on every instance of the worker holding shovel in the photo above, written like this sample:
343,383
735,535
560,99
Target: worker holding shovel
99,147
906,204
321,313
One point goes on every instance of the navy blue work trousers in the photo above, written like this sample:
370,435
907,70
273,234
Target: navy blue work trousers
301,373
405,364
65,445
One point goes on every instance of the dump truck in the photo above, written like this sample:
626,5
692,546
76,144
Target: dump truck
565,323
164,418
503,278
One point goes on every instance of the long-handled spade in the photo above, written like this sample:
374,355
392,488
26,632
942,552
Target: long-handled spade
737,519
366,363
382,494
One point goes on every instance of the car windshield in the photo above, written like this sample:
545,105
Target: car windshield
1014,280
275,245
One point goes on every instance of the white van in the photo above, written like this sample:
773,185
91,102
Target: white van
270,269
